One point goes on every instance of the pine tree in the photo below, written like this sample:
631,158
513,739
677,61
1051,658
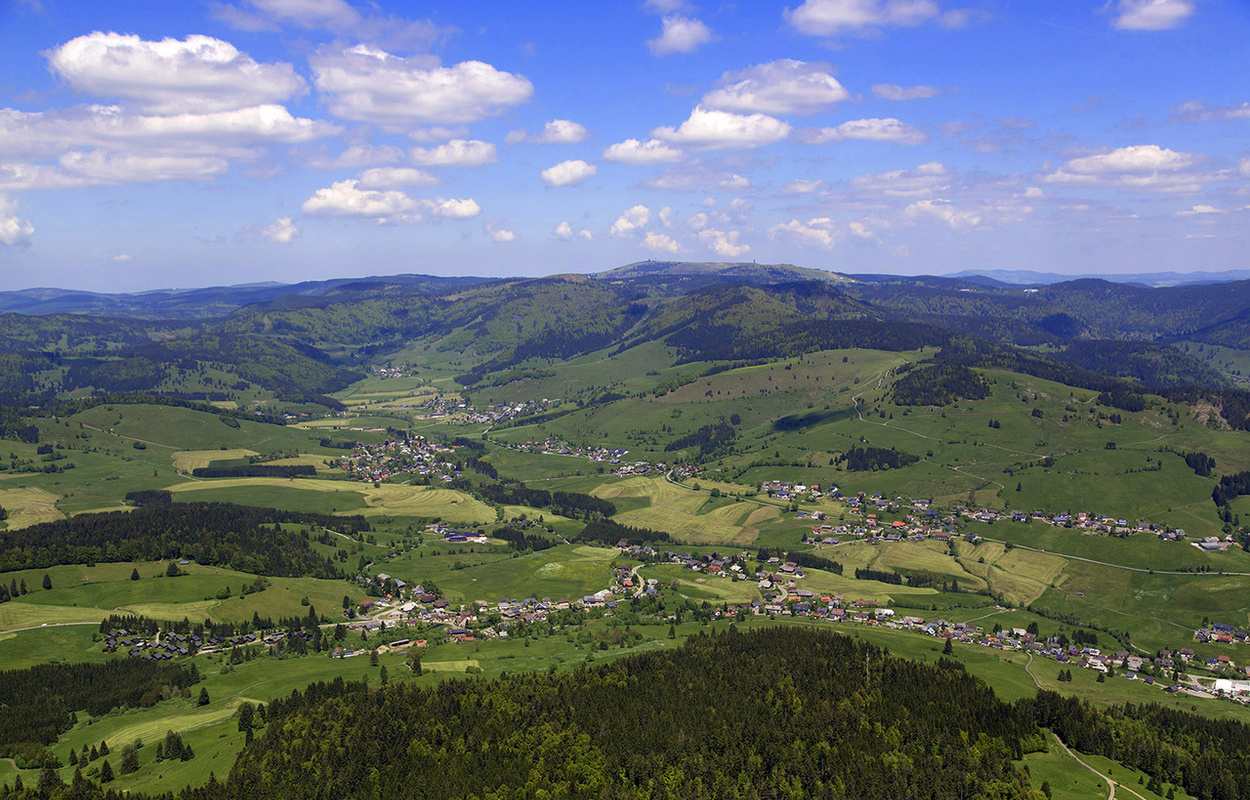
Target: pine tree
106,773
104,749
73,758
47,581
383,676
947,649
203,701
130,760
134,574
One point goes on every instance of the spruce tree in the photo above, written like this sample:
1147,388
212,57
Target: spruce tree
106,773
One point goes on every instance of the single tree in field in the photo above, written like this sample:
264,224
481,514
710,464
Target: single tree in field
947,649
203,701
134,574
47,581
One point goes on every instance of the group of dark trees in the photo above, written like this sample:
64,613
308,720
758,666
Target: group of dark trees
712,440
940,385
569,504
1229,487
40,702
244,538
1200,463
865,459
829,717
879,575
519,539
609,532
257,471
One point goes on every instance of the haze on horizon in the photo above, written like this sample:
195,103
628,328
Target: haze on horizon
158,144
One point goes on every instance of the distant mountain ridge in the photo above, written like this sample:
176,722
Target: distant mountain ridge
1152,279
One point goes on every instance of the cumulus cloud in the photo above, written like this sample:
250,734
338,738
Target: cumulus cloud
1199,210
802,186
1198,111
631,221
786,86
816,232
348,199
499,234
890,91
281,231
456,153
724,243
370,85
99,166
957,219
395,177
345,199
680,35
558,131
925,179
632,151
14,230
197,74
713,130
356,156
1148,167
1151,15
565,232
340,17
453,209
860,17
874,130
568,173
698,180
661,243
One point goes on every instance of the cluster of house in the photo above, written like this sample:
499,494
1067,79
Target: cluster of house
441,407
1221,633
166,646
451,536
398,456
158,648
785,490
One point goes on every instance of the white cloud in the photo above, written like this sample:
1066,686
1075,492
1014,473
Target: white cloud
837,17
1199,210
456,153
1148,167
680,35
498,234
344,199
631,221
356,156
558,131
661,243
816,232
1244,167
956,218
337,16
198,74
347,199
121,257
890,91
232,134
665,6
1198,111
281,231
665,217
99,166
875,130
698,178
564,231
786,86
371,85
632,151
925,179
453,209
802,186
568,173
14,230
724,243
395,177
713,130
1151,15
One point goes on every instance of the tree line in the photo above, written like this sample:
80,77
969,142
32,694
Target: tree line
244,538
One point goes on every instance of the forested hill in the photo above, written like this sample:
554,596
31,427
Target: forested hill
780,712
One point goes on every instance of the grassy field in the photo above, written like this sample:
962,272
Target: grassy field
342,497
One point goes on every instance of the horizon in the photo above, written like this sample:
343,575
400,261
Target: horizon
258,141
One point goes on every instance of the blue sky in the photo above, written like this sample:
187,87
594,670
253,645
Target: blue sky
173,143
